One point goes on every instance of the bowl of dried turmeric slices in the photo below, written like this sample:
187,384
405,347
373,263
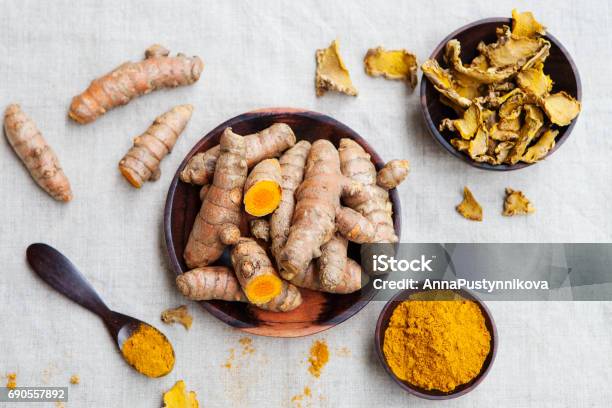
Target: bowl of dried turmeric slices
501,94
265,218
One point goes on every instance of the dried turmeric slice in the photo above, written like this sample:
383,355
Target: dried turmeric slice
534,119
488,76
516,203
393,64
469,123
479,144
525,25
534,81
561,108
178,315
516,52
332,74
541,148
469,207
444,83
178,397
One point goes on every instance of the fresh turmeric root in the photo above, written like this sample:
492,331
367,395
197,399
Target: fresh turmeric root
262,190
260,229
267,144
318,200
371,201
392,174
141,163
332,263
133,79
350,281
218,222
220,283
354,226
38,157
292,164
255,272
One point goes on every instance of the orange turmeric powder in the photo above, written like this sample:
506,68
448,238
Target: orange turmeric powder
319,356
437,344
149,352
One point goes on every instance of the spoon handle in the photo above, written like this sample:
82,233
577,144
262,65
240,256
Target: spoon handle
61,274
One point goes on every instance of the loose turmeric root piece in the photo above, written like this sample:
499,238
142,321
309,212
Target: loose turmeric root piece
210,283
516,203
133,79
469,207
318,200
220,283
332,74
177,315
392,174
178,397
255,272
218,222
292,164
371,201
141,163
36,154
393,64
267,144
262,190
350,281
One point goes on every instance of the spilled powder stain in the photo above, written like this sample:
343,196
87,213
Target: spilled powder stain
247,349
247,345
319,356
59,405
11,380
343,352
230,359
305,396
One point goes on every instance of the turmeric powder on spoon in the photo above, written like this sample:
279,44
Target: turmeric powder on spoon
148,351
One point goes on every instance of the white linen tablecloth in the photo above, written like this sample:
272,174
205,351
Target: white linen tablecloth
261,54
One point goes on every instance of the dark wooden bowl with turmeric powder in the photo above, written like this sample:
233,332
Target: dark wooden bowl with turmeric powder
483,321
319,311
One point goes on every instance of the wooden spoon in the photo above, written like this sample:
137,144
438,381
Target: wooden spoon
61,274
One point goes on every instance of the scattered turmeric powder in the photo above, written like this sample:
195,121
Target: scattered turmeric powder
148,351
319,356
178,397
229,362
11,380
74,379
247,345
437,344
297,399
177,315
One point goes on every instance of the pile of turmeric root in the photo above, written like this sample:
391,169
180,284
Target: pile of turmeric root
288,210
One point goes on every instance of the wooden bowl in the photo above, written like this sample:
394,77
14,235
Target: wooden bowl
559,65
379,337
319,311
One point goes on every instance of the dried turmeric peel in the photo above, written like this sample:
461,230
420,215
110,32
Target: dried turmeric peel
392,64
255,272
262,189
148,351
516,203
318,358
351,280
133,79
392,174
141,163
217,223
332,74
178,397
260,229
437,344
525,25
35,153
469,207
292,164
267,144
178,314
11,380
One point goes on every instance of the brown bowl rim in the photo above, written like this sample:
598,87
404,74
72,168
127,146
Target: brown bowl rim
433,129
169,242
419,392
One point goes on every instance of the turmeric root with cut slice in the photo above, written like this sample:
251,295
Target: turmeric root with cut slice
469,207
267,144
352,278
141,163
371,201
35,153
292,164
262,190
332,74
255,271
392,174
317,201
132,79
393,64
218,222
